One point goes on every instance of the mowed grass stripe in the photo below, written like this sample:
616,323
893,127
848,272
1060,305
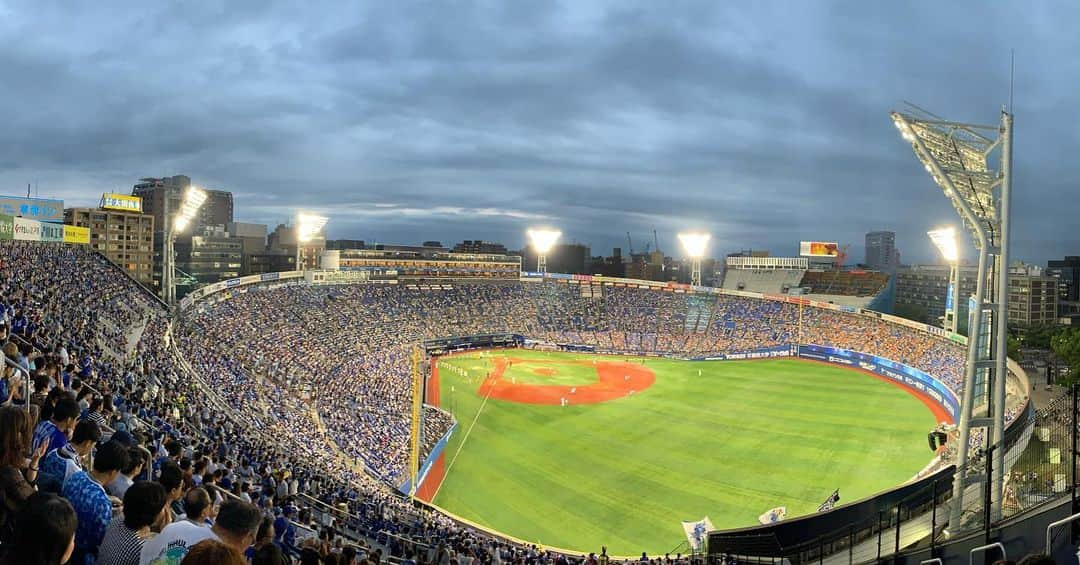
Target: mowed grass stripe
741,438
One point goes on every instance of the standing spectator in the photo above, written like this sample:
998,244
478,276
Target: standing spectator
53,432
172,478
46,532
60,464
144,504
86,492
236,526
174,541
285,531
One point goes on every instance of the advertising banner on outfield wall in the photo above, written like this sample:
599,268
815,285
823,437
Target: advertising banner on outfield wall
7,227
910,377
763,353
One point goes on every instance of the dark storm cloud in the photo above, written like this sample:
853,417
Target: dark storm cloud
406,121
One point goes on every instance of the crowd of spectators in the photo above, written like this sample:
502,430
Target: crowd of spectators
280,404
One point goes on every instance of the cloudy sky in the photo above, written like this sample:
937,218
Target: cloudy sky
764,123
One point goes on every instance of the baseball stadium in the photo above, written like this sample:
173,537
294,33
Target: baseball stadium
422,405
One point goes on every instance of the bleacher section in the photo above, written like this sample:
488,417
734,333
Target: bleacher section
768,281
844,283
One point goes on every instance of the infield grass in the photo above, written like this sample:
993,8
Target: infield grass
741,438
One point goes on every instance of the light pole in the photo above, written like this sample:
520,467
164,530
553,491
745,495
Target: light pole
194,198
945,240
972,164
307,227
694,243
542,241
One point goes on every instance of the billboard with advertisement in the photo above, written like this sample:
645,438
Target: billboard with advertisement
7,227
124,202
76,234
41,209
52,232
819,249
27,230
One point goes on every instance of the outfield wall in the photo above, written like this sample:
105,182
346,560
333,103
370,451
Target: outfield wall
909,377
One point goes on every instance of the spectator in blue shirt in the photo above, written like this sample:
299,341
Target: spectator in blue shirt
54,431
86,493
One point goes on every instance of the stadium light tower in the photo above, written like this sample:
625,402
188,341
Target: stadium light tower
542,241
307,227
694,243
960,158
945,240
194,198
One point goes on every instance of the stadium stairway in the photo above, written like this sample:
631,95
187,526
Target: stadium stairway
698,314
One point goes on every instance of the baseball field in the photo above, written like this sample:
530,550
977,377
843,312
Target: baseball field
576,450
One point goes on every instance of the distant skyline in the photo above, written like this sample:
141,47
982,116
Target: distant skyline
763,123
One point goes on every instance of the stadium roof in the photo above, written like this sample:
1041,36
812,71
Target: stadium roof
957,156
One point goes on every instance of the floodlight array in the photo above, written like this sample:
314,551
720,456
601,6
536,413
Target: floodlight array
957,157
694,243
309,225
945,241
543,239
194,198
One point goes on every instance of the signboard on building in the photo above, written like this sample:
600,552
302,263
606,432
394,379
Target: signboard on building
41,209
7,227
76,234
27,230
52,232
125,202
818,249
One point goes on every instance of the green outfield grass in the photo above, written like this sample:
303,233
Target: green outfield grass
741,438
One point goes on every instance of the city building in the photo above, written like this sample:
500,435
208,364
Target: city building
283,239
209,256
1067,271
480,246
921,290
124,235
269,261
611,266
881,253
161,197
252,236
339,244
1033,296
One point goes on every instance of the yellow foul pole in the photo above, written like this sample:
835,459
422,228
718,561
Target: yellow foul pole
418,399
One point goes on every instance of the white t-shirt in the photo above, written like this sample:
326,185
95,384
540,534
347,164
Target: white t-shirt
172,544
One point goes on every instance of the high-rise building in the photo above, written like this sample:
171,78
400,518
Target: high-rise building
1033,296
342,244
1067,271
923,289
569,258
125,237
881,254
283,238
161,197
209,256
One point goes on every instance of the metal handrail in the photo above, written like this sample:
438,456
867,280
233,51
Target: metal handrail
1058,524
934,560
26,379
981,548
